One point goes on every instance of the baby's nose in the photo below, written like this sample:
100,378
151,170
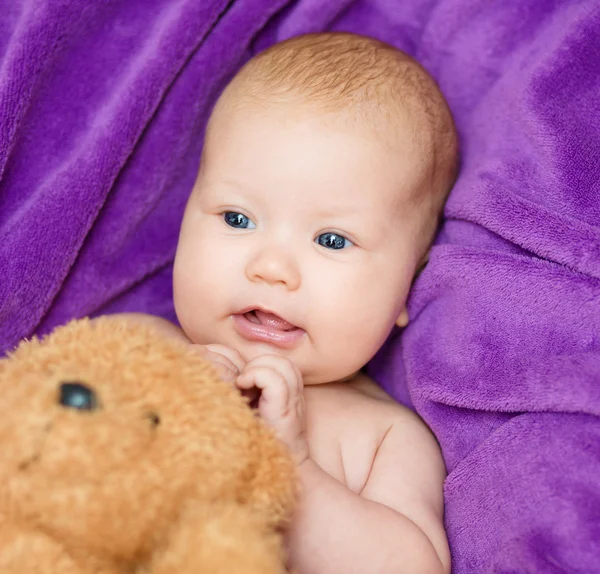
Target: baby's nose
274,266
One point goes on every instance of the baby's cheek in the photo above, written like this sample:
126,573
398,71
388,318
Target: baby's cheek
361,336
191,308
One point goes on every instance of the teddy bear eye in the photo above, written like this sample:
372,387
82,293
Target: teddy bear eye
76,395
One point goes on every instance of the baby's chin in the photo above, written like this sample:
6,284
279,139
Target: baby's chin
347,378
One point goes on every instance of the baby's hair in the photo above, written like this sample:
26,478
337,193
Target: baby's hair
366,80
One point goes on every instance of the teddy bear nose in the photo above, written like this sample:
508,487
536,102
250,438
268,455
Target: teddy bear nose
76,395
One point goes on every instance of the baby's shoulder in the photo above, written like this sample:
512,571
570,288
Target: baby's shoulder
346,424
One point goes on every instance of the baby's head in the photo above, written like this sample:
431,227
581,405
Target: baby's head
326,164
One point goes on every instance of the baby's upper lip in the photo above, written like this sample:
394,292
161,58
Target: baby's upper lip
267,310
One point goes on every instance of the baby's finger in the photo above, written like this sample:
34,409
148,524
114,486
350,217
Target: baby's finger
246,380
231,354
275,393
285,367
226,369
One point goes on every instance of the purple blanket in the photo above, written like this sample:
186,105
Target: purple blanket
102,111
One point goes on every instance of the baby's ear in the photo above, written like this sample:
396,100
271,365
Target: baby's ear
402,319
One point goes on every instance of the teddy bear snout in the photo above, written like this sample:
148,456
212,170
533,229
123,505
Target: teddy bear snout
77,395
154,418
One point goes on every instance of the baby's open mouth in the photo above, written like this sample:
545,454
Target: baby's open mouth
256,325
259,317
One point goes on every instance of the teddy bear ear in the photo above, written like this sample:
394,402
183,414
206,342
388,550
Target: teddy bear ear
4,361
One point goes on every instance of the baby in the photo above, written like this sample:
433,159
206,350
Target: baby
326,164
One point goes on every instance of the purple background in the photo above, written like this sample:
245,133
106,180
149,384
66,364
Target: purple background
102,112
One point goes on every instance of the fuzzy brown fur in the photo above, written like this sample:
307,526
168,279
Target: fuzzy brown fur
170,473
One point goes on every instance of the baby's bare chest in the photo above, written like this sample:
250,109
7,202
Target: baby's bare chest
344,428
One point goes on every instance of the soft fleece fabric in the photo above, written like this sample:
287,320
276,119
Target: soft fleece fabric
102,111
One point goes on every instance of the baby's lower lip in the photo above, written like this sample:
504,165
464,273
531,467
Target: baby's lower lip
265,333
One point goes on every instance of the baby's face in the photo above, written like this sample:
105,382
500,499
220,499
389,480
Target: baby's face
297,240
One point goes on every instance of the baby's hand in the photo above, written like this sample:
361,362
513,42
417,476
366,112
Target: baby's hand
228,361
281,402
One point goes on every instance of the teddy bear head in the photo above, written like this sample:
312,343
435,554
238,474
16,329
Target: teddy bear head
106,428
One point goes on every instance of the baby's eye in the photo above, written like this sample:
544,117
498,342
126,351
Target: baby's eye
238,220
333,241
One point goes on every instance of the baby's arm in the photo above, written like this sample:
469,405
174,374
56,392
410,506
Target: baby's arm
394,525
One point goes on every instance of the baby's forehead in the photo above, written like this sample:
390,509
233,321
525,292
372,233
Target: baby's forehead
327,146
404,122
399,129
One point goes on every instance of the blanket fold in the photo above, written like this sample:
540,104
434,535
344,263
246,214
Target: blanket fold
102,112
502,355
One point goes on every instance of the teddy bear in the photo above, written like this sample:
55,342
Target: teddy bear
122,452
